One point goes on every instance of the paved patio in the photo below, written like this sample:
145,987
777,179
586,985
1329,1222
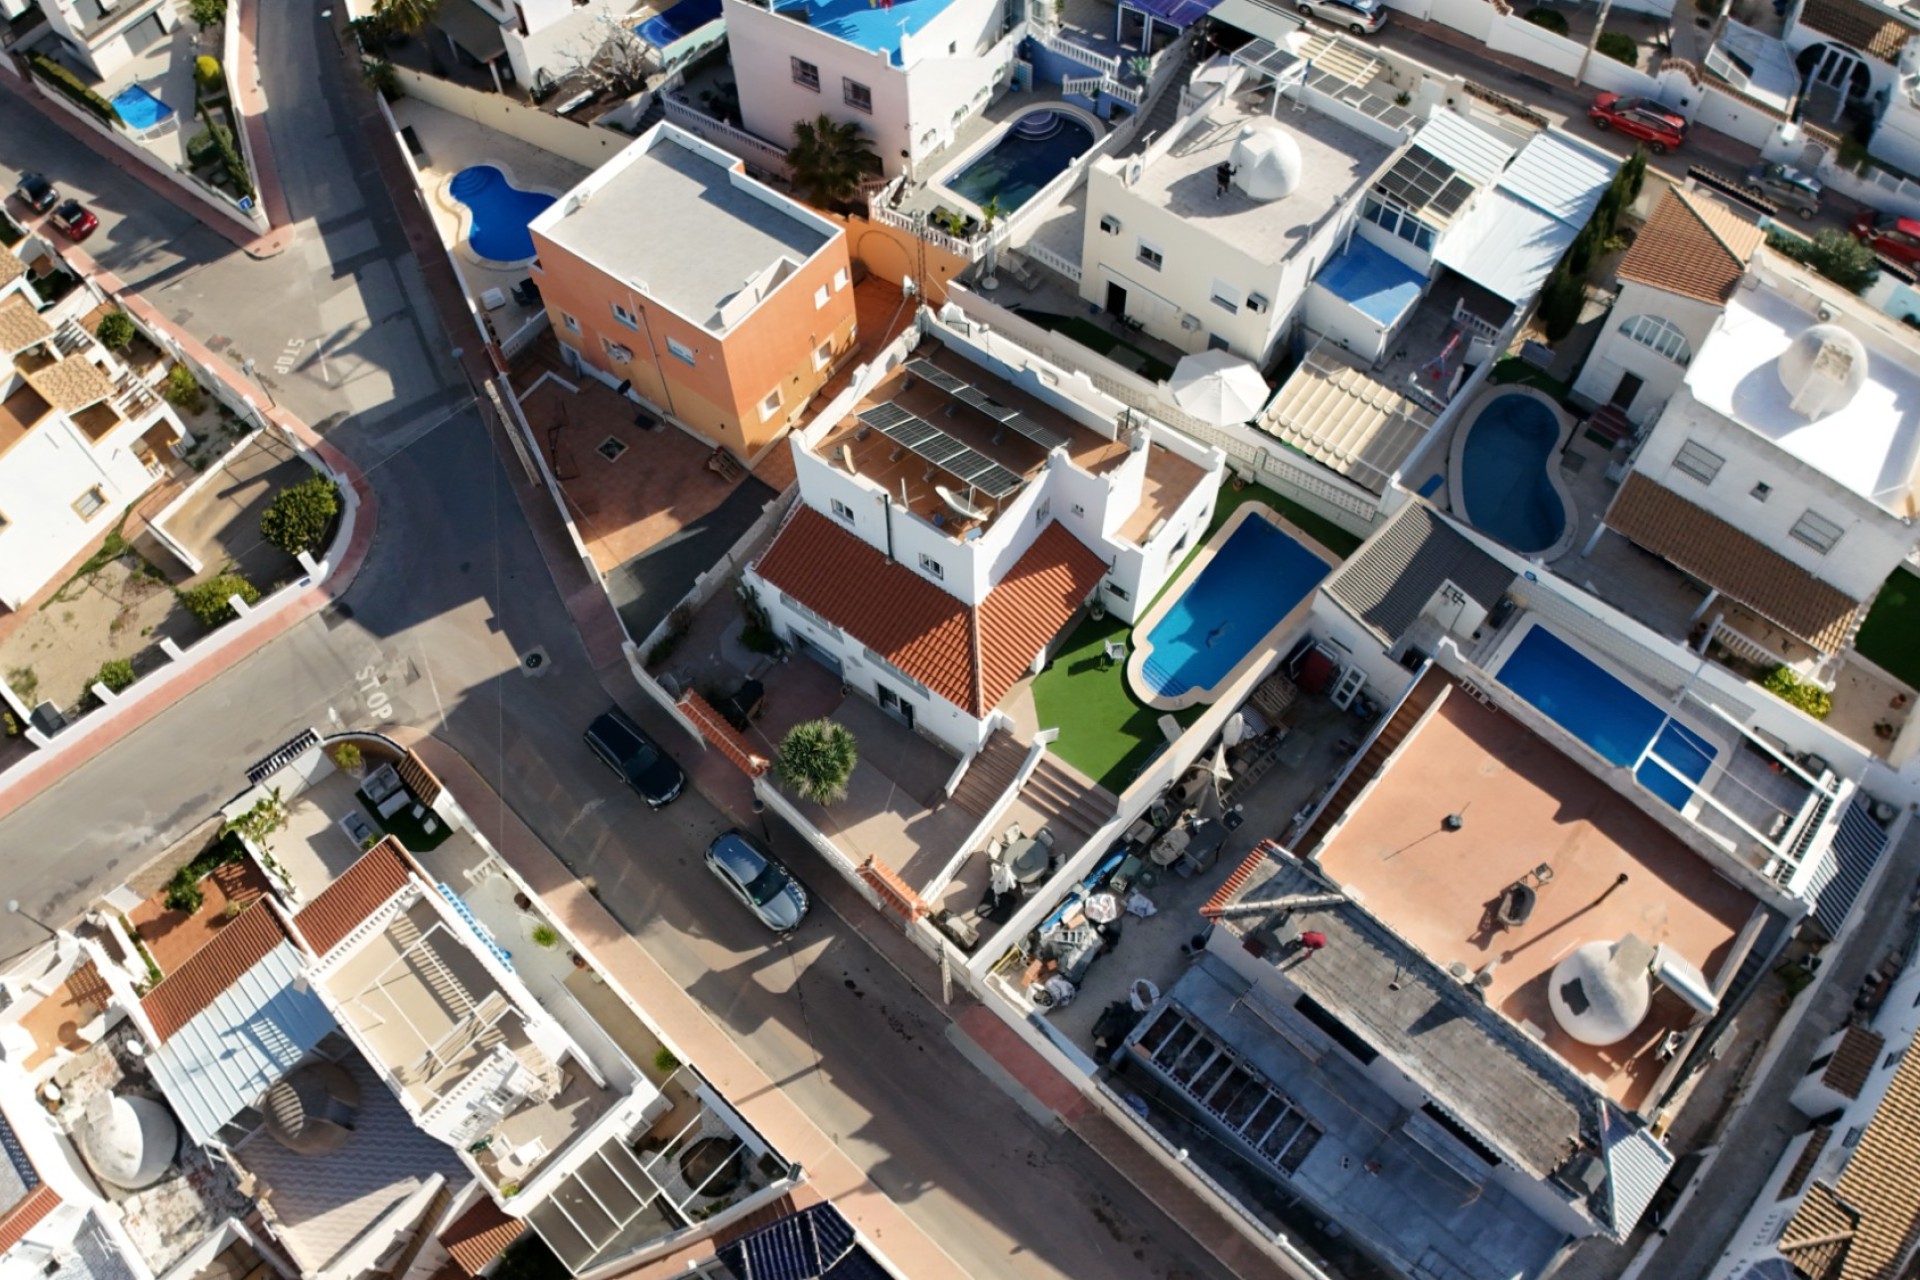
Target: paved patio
174,937
221,523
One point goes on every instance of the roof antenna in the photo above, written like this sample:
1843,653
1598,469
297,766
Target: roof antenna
1453,821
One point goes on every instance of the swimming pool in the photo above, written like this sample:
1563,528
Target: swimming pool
1506,485
1593,705
139,109
500,212
1034,150
1254,580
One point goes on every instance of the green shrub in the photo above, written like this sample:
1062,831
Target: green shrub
378,75
183,390
664,1061
115,330
72,87
299,516
207,76
1560,302
209,146
208,602
816,759
544,935
1790,688
207,13
1834,254
25,683
116,674
10,232
1547,18
183,889
1621,48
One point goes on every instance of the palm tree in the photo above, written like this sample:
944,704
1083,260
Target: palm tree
828,159
815,760
405,16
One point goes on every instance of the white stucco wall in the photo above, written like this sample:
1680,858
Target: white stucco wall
40,479
1614,354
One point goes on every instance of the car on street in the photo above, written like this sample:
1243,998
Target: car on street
756,878
626,749
1889,235
74,220
1659,126
36,192
1785,186
1362,17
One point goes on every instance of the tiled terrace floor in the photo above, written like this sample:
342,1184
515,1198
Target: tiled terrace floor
173,937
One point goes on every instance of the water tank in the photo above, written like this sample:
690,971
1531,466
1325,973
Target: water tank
128,1141
1601,991
1266,161
1822,369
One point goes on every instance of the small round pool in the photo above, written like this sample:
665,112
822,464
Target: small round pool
1506,481
500,212
1030,153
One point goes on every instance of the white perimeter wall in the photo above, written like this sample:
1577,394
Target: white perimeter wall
40,477
763,46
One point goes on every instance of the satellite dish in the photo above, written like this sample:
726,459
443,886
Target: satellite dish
960,506
846,457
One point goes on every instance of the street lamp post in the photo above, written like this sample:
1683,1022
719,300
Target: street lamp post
248,366
14,909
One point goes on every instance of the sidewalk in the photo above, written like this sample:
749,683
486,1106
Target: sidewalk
250,101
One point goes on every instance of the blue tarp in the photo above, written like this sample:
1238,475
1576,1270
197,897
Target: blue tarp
678,22
1372,281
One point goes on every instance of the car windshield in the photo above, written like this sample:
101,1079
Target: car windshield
767,886
71,210
641,757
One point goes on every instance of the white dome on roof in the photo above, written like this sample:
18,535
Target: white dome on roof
1597,998
1822,369
1266,161
128,1141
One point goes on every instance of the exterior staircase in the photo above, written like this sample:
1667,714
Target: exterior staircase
1425,693
993,770
1072,804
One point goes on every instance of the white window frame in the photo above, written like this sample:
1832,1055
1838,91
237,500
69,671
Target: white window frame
841,510
1698,461
1226,297
573,325
1815,530
805,74
681,351
1149,255
1660,336
99,497
856,95
839,279
625,317
618,352
820,297
932,568
1109,224
771,405
822,356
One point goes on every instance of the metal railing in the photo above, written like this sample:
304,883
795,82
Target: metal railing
1046,257
1067,47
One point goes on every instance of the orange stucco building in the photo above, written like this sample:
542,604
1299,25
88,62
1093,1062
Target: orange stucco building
720,300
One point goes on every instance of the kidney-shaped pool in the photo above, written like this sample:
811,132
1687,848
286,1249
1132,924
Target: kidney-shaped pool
1506,478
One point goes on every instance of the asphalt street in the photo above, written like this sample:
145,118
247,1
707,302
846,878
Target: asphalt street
453,594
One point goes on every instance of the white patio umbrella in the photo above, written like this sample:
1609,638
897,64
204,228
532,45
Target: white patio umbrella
1219,387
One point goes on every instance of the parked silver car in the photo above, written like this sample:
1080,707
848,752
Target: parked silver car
1361,17
1785,186
752,875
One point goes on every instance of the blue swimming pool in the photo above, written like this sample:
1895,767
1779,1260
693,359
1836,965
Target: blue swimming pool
140,109
1035,150
1504,483
1254,580
501,212
1589,702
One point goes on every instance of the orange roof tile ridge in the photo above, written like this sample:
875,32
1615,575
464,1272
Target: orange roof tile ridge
1700,215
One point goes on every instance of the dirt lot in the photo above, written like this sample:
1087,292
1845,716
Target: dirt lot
120,611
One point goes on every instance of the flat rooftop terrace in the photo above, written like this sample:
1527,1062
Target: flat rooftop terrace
1169,479
1336,162
874,27
1611,871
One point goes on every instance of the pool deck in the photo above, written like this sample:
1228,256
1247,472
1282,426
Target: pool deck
1170,595
964,157
165,69
1613,871
1456,464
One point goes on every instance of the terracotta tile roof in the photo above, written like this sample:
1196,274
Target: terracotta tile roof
1853,1061
1803,1167
1661,521
897,893
20,326
1223,896
11,268
478,1235
1693,246
1863,1226
715,729
1868,28
970,657
26,1215
361,890
241,943
71,384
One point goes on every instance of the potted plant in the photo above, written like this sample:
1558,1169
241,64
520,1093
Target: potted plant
664,1061
579,961
347,758
523,902
545,936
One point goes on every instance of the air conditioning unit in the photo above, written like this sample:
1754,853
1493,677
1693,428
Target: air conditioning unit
1110,224
1826,313
1190,322
1257,303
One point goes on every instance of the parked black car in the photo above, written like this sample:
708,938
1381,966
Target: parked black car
36,192
627,750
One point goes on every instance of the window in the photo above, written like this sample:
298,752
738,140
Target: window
1394,220
839,279
1702,464
1893,1059
1817,532
89,504
520,20
771,405
1118,592
625,316
857,95
820,297
823,355
805,73
1854,1135
810,615
842,511
1217,343
1226,297
1661,336
679,350
1761,492
573,325
1818,1063
1041,512
1110,224
617,353
931,567
1150,255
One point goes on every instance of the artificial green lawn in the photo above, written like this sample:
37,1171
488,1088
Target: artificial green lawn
1890,637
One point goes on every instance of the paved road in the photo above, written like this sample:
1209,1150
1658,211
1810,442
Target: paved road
454,591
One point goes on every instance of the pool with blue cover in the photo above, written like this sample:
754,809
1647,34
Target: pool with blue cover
1372,281
1602,711
1253,581
1035,149
139,109
501,212
1505,485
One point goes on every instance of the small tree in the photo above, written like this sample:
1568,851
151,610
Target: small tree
816,759
379,76
404,17
347,757
1547,18
115,330
116,674
209,602
207,13
299,516
619,64
828,159
207,76
1619,47
1834,254
183,390
1560,302
259,824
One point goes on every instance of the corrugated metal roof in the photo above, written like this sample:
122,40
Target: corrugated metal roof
1637,1163
1506,245
1844,867
1390,579
1466,146
1332,411
1560,176
249,1036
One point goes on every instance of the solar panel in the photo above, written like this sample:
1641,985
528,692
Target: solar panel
941,449
1266,56
1046,437
933,373
1422,182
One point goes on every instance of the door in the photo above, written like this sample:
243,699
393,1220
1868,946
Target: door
892,702
1116,300
1630,384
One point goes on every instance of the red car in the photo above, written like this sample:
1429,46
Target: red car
1889,235
75,220
1660,127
